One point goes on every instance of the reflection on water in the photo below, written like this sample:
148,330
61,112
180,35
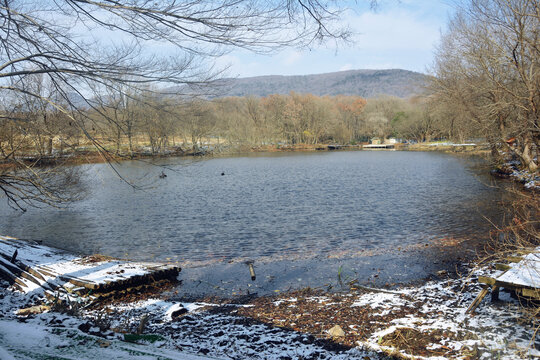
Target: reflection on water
267,205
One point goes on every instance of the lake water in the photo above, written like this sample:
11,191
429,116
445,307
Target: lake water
269,207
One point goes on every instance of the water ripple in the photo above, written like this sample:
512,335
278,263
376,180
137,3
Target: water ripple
289,205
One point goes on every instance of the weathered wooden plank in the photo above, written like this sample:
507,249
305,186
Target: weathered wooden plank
16,270
20,282
46,272
487,280
92,275
7,274
507,285
477,300
30,270
532,293
502,267
79,282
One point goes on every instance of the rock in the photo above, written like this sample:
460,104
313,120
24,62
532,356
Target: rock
178,313
85,327
104,343
336,331
442,273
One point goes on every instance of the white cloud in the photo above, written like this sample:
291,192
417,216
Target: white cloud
292,58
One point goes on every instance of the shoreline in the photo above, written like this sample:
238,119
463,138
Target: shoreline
333,273
79,157
425,320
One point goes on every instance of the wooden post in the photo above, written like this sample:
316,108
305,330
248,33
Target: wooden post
142,324
494,293
14,257
252,272
477,301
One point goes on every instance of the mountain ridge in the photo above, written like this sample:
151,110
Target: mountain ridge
365,82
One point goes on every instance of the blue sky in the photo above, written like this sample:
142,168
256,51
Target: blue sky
399,34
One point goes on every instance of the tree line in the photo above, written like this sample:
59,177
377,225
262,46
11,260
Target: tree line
128,124
61,55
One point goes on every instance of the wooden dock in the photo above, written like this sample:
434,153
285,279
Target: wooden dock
378,146
30,267
521,275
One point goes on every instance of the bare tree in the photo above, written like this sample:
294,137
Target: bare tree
488,67
81,46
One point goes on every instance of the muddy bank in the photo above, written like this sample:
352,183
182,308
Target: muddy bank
466,149
380,268
93,156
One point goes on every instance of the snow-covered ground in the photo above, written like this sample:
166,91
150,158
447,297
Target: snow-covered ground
203,331
288,326
511,168
432,316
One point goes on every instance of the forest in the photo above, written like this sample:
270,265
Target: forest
124,125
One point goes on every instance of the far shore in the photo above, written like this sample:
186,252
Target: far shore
94,156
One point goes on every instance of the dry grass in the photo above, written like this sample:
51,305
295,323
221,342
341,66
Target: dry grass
520,232
413,341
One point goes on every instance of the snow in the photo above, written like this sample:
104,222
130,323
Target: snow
21,341
379,300
216,330
530,180
451,144
5,355
491,329
524,273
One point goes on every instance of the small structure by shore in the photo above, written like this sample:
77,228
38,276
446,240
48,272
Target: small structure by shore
378,146
381,144
522,276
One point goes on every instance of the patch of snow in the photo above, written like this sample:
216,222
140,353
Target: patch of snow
5,355
379,300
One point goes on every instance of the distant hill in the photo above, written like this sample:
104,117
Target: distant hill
365,83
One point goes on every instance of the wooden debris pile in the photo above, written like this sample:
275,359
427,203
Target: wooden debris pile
32,267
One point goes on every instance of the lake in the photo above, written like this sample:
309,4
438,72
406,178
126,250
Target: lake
213,214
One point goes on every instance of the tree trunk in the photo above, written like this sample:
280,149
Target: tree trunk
50,146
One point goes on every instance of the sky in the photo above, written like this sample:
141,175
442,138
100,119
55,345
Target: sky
399,34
